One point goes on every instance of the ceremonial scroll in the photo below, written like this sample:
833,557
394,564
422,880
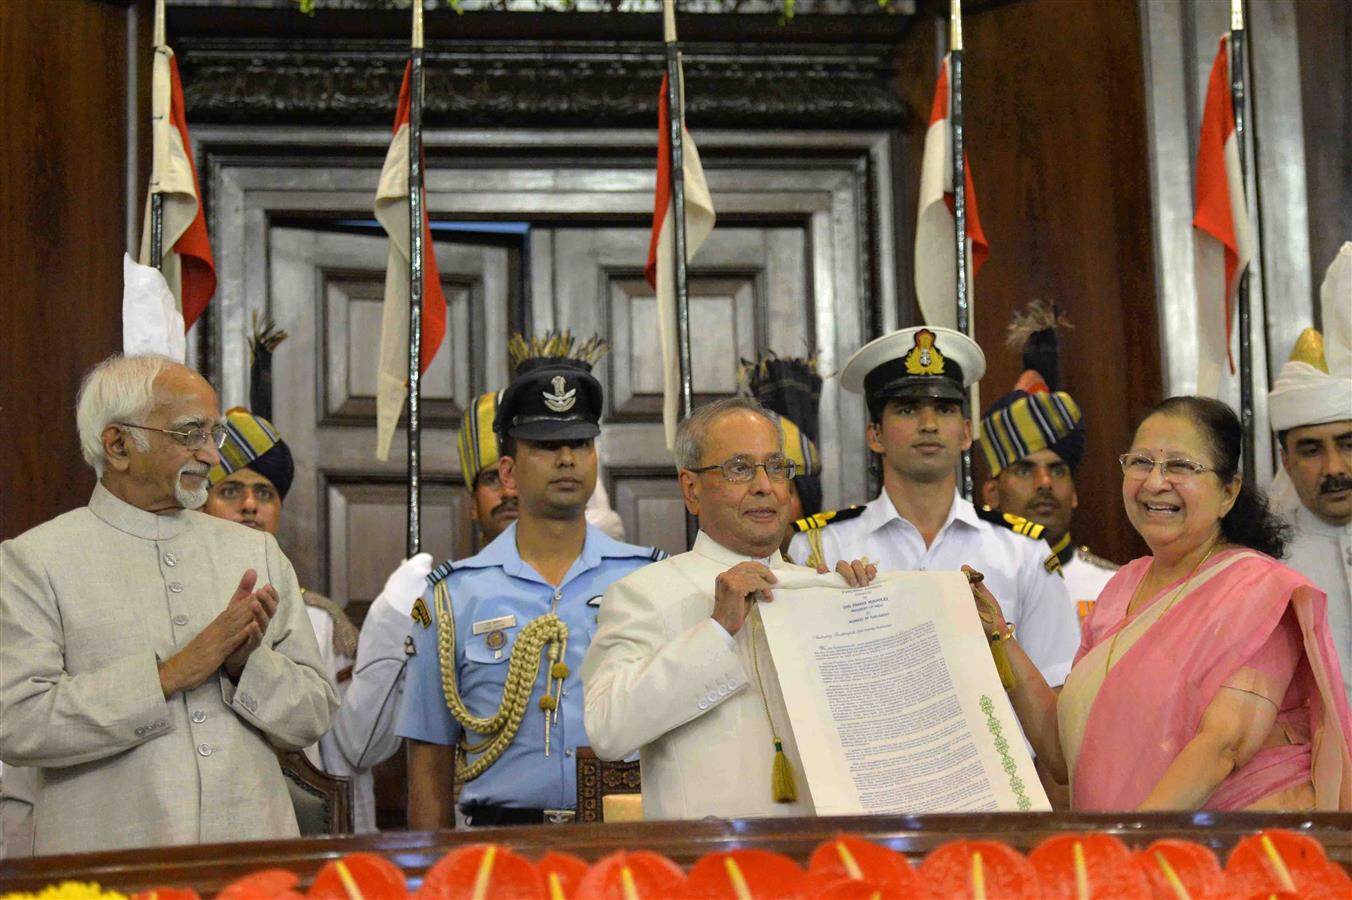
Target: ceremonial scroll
894,699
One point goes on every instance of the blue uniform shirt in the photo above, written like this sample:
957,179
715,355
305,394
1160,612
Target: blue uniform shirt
497,584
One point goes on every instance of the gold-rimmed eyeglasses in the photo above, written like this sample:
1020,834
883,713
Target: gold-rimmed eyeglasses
192,438
741,469
1138,466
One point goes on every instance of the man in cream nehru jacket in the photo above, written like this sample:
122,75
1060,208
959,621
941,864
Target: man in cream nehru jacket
1310,408
153,655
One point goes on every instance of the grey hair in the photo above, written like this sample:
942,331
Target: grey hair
119,389
690,434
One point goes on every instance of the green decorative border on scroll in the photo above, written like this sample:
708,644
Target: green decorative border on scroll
1002,747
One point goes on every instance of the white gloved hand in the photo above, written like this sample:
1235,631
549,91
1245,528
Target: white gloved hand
407,583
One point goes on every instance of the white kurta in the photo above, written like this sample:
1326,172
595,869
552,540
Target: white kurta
88,602
1323,553
664,678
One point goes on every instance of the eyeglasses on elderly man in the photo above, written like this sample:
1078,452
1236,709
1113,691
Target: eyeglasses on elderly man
192,438
741,469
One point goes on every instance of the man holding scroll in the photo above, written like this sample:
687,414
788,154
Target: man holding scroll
679,668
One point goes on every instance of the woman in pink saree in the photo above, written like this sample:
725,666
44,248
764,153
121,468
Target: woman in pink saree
1206,675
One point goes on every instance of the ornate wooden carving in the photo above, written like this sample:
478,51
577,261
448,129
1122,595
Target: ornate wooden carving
483,83
333,792
597,778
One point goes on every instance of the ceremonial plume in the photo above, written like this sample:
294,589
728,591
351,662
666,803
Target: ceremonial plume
675,239
174,234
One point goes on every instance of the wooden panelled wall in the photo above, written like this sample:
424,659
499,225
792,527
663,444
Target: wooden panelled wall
1325,34
1056,140
62,233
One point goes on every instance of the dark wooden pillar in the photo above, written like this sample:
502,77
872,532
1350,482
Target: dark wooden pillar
62,233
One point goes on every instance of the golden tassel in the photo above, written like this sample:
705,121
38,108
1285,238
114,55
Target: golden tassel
1002,665
782,785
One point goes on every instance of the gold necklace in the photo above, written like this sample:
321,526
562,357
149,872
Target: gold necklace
1112,646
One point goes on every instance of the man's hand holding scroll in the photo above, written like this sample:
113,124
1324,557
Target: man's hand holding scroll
736,589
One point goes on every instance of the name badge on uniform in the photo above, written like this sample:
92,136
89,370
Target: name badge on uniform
487,625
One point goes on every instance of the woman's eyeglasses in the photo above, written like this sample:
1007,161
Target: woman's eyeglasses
1138,466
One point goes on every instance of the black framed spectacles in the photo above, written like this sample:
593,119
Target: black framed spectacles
741,469
193,438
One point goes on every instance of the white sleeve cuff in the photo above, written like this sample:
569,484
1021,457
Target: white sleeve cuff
728,639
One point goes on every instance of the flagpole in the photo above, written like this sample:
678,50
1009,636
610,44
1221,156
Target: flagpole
964,319
1237,97
415,281
156,197
675,120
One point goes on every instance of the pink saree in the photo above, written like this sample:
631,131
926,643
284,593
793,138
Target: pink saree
1157,685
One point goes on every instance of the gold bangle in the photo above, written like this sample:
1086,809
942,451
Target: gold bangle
1006,635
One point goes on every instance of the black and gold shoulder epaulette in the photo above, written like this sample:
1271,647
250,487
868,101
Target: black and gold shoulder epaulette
822,519
1017,524
439,573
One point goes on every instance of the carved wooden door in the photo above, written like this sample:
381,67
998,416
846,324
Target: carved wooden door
344,520
749,292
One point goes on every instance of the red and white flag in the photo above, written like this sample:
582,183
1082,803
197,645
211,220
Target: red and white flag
936,277
699,222
185,249
392,211
1222,234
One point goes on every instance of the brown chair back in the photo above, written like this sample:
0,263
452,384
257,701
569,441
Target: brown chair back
323,802
596,778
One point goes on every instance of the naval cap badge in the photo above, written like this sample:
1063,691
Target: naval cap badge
560,401
924,358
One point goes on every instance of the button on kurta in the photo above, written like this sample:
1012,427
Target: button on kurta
199,716
170,560
180,620
203,749
175,587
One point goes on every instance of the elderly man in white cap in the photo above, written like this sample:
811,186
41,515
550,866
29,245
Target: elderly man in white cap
1310,408
915,383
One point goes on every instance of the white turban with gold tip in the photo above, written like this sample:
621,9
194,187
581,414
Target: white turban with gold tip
1315,384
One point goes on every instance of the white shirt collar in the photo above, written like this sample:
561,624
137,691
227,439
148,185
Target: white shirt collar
1309,523
880,511
711,549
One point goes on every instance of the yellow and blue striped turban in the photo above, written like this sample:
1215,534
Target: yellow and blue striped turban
1021,423
477,442
252,443
797,446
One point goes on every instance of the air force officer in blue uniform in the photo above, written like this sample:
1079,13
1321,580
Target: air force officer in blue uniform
493,690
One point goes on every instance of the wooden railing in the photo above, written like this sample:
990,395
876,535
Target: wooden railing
209,867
